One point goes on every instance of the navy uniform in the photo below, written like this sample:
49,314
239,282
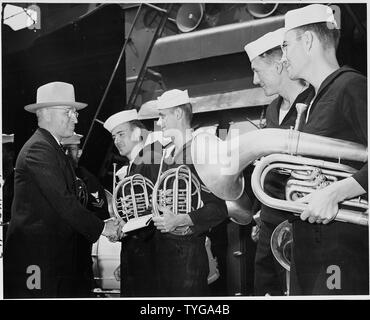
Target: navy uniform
94,199
98,204
333,258
182,260
138,275
269,274
339,111
137,269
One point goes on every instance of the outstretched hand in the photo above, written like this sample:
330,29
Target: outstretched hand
113,229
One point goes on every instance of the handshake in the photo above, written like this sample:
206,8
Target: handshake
113,229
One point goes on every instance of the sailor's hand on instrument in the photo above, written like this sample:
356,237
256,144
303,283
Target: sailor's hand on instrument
159,221
167,222
322,206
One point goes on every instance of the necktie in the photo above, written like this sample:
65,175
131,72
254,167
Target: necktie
62,148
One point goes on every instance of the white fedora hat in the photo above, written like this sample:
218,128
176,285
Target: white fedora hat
55,94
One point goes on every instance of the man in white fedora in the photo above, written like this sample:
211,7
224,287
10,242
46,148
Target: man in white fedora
132,140
329,257
181,254
40,254
270,73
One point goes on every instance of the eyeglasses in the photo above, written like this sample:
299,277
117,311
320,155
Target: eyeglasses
284,46
70,112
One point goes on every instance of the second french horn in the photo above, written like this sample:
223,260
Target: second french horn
180,190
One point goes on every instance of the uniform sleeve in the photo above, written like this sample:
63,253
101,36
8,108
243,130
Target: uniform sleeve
361,177
48,176
97,201
269,114
213,212
354,108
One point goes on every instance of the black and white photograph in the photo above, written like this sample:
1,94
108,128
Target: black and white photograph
211,151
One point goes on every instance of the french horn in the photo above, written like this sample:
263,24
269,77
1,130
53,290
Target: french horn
131,201
180,190
220,164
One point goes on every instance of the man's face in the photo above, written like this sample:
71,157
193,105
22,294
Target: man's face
265,75
168,122
63,120
73,152
294,56
122,137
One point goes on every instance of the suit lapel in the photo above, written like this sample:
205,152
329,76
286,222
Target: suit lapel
64,162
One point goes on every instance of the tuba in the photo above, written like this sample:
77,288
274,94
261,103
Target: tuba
131,201
220,164
306,176
179,189
281,244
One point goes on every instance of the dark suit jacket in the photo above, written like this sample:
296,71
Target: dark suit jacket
45,223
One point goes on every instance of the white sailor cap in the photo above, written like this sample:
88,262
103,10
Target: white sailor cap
74,139
314,13
8,138
119,118
173,98
266,42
